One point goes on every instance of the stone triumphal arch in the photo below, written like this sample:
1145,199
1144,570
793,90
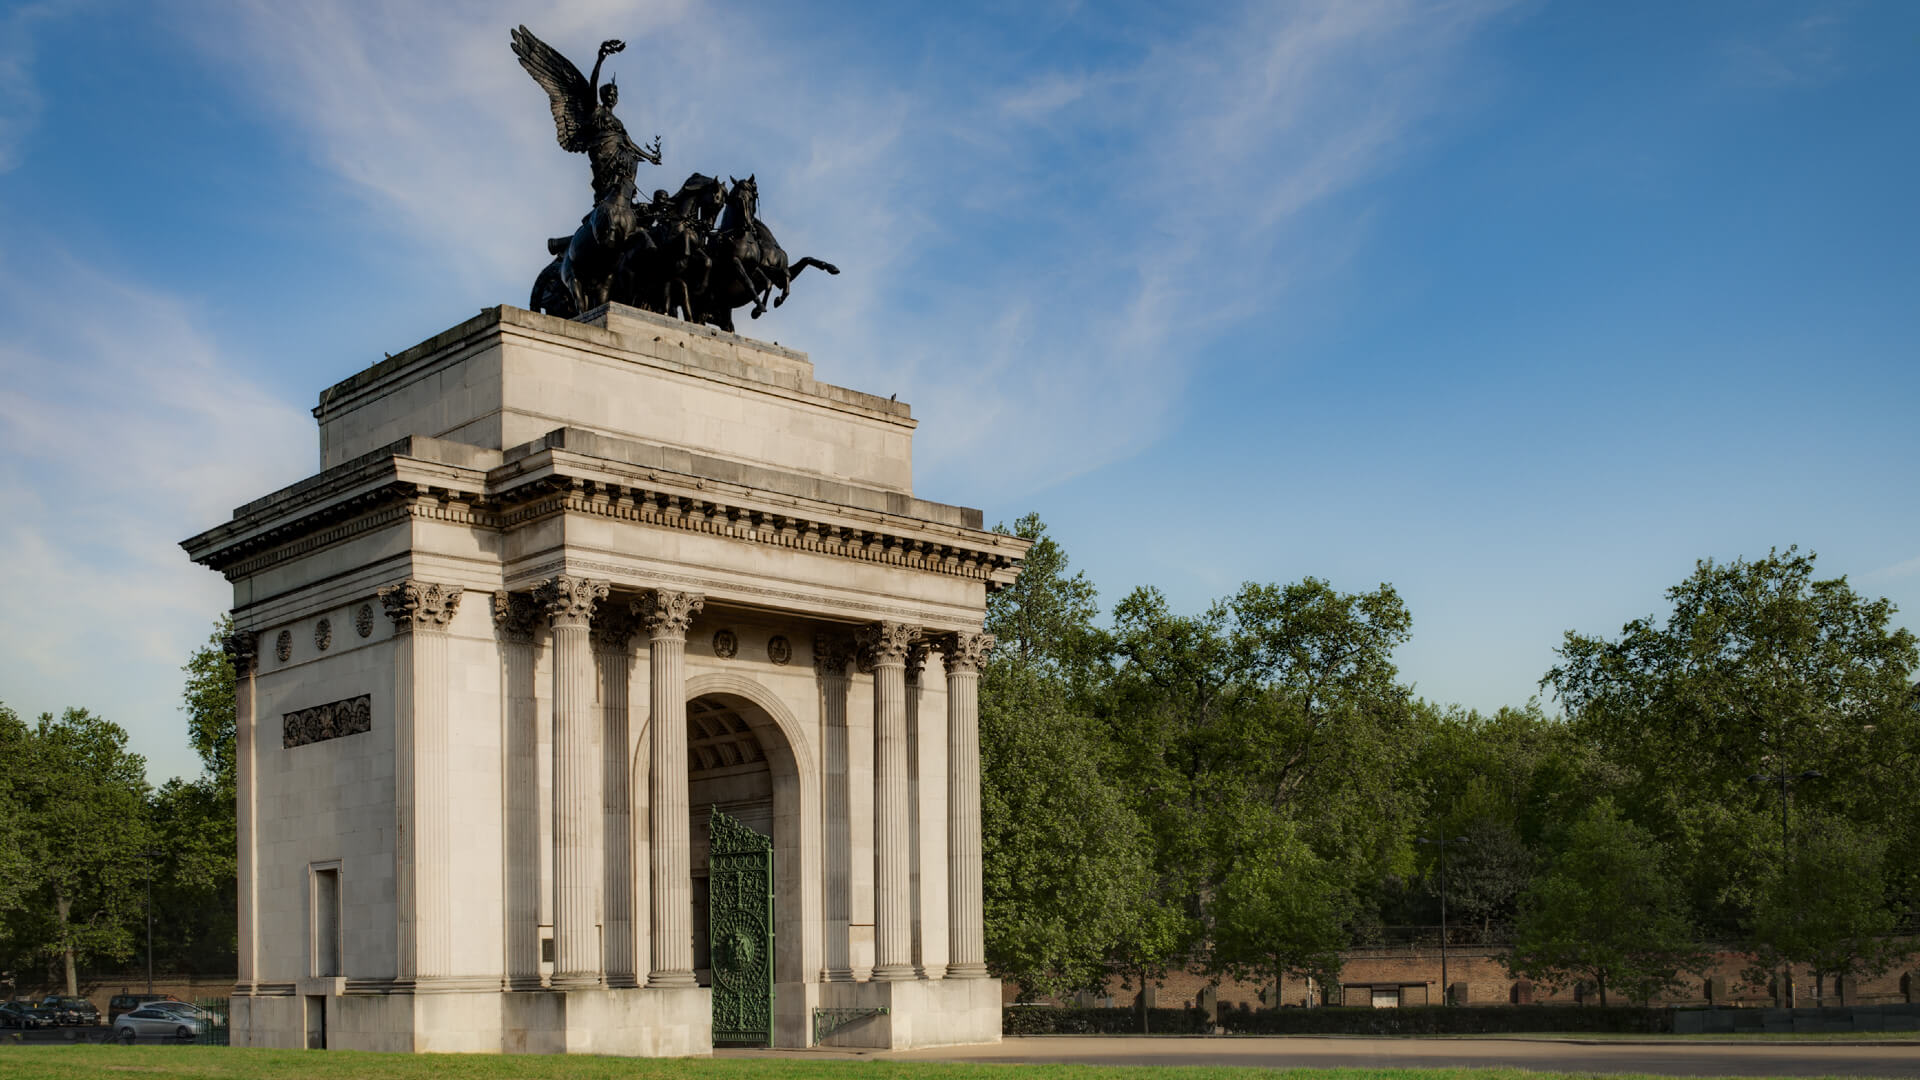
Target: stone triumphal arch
606,666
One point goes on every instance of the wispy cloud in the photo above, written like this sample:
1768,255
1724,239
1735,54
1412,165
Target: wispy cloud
1806,51
1033,262
1904,569
123,430
20,100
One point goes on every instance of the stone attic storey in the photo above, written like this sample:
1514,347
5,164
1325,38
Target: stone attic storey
566,599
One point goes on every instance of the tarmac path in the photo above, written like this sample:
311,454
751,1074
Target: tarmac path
1668,1058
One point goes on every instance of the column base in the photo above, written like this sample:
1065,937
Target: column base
671,980
622,981
894,973
523,982
966,971
579,981
837,975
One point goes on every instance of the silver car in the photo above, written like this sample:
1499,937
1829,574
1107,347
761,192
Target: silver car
184,1008
150,1020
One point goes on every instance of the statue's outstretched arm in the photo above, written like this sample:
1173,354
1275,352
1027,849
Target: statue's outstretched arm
607,48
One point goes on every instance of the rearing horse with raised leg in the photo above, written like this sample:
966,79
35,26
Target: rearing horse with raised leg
751,262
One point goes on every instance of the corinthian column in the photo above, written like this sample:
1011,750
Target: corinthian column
569,603
613,630
420,611
830,657
242,648
516,619
667,616
889,643
965,652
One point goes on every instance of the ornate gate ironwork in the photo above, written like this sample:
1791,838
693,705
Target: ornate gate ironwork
740,921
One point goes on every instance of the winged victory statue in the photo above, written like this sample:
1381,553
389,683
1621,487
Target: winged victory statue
698,254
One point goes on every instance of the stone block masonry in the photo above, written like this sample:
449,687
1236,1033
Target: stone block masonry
478,822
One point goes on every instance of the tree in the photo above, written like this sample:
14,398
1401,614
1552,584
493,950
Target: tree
208,702
1828,907
1281,910
1066,869
1067,874
18,875
81,796
1760,667
1607,912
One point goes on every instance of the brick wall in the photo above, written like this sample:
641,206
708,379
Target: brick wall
1480,974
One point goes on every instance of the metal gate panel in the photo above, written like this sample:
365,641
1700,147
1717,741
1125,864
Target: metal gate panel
740,932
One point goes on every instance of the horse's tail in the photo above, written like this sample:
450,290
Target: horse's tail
557,245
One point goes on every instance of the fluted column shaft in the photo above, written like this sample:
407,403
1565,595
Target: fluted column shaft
613,629
420,611
830,658
516,620
667,616
242,648
893,896
965,940
577,875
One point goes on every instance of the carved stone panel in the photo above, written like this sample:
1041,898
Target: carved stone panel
329,721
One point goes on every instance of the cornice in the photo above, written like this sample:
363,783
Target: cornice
398,489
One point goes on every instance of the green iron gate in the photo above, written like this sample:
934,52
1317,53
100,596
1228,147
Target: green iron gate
740,932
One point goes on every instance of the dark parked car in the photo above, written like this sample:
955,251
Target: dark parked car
124,1002
24,1015
72,1010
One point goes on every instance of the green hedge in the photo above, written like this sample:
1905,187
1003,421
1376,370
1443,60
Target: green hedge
1045,1020
1442,1020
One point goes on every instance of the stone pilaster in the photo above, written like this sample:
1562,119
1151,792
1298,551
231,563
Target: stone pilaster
667,616
577,768
916,892
889,643
516,620
243,650
420,611
831,654
965,653
613,629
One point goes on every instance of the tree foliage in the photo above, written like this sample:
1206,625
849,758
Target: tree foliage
1606,912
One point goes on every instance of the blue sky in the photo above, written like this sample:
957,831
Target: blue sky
1522,307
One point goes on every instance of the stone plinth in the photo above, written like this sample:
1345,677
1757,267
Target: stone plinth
560,591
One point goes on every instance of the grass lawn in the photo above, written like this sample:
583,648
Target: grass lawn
223,1063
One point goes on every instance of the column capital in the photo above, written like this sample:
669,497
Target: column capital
515,616
614,627
668,614
917,655
831,654
243,649
886,642
965,650
414,604
569,600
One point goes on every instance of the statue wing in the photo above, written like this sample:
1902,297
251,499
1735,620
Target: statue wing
567,89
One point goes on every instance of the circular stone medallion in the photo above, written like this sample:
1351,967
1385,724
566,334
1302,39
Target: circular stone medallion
363,621
283,646
779,650
323,634
725,644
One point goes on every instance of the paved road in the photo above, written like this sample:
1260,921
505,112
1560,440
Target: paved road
1666,1058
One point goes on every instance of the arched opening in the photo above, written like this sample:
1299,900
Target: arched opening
729,770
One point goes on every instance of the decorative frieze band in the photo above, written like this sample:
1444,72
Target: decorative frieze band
329,721
414,604
384,506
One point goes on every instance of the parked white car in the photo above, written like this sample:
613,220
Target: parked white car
151,1020
186,1008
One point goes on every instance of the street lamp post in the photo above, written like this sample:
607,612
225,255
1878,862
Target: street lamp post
151,855
1786,781
1446,994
